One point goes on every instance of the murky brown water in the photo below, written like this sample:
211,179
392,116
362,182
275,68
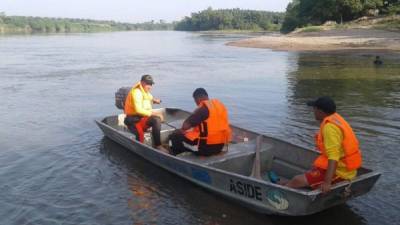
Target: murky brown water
57,168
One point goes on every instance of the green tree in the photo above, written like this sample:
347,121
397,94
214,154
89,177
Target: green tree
391,7
349,9
372,4
292,18
20,24
210,19
300,13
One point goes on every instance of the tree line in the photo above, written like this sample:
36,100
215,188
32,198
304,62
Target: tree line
300,13
209,19
22,24
227,19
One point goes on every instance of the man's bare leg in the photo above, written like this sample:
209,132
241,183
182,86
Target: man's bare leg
162,149
298,181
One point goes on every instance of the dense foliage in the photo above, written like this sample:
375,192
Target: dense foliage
21,24
227,19
300,13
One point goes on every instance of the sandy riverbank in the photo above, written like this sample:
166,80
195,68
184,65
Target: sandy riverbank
330,40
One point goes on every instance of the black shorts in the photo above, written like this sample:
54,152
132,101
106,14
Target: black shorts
178,139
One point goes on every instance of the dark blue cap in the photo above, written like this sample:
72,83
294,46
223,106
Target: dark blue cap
324,103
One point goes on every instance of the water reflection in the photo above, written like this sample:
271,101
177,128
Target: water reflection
367,96
342,214
351,79
155,194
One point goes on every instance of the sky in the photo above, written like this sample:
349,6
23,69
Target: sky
129,10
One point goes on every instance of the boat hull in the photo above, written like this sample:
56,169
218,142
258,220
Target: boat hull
225,175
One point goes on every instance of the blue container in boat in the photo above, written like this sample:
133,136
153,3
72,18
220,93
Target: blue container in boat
273,177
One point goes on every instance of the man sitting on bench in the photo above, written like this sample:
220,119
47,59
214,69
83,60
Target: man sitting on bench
206,131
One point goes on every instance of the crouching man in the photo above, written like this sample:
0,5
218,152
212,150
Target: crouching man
206,131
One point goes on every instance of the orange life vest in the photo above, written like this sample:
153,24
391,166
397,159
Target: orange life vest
352,154
215,129
129,107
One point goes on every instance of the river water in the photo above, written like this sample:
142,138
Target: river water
57,168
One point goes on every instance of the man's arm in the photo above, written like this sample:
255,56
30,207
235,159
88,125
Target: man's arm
186,125
330,172
156,100
198,116
333,138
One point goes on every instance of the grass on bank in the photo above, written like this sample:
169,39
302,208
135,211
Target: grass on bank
312,29
390,23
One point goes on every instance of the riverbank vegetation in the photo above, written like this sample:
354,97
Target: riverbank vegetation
384,23
303,13
231,19
27,25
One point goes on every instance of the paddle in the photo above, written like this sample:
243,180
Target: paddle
256,171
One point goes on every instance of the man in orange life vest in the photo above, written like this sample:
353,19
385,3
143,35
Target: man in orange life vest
139,113
340,154
206,131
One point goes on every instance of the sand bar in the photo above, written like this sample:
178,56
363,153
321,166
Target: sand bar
330,40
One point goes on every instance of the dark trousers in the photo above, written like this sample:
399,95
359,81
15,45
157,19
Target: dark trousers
138,125
178,138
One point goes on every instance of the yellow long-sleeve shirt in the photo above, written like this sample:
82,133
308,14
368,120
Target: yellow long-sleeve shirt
142,103
138,102
333,138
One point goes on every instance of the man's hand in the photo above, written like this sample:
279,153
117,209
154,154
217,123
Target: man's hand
159,114
156,100
325,187
179,131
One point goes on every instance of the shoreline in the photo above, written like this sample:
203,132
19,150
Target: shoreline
355,39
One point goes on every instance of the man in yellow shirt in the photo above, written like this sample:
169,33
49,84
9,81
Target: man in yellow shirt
340,154
139,112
